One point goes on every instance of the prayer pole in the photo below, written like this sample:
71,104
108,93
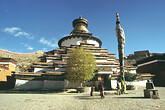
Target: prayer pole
121,42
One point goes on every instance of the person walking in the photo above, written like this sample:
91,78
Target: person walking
92,90
102,92
99,86
118,88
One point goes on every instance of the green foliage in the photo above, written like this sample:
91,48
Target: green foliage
129,77
80,66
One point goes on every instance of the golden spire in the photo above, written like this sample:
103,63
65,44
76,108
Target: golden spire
80,25
80,17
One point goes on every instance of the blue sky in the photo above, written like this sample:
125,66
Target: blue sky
30,25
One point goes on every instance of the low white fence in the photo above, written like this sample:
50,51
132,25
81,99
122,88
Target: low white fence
141,83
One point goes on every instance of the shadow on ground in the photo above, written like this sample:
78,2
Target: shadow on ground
30,92
132,98
88,97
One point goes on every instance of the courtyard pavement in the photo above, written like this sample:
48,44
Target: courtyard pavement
70,100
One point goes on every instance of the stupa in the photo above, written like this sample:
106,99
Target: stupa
50,73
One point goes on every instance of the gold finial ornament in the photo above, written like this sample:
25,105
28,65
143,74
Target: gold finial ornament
80,25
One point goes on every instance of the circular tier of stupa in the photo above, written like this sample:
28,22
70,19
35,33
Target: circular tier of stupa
80,33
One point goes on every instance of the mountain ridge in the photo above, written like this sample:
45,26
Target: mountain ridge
24,60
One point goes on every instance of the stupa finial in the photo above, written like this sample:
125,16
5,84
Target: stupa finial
117,18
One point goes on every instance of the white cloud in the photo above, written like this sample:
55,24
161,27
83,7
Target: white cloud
48,42
44,49
21,34
12,30
28,47
17,32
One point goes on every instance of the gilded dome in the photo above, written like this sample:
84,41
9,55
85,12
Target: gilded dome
80,26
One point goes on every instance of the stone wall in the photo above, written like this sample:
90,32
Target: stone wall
28,84
53,85
69,85
39,85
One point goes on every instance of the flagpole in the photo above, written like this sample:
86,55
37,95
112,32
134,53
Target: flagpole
121,42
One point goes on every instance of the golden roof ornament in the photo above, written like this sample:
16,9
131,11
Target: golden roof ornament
80,17
80,26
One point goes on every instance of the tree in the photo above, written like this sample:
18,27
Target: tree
129,77
80,66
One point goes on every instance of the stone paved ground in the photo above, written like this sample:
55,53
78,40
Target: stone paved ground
81,101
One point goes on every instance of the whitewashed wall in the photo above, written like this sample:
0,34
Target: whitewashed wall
28,84
136,83
40,70
68,42
64,60
38,85
102,61
57,54
107,72
95,53
131,71
93,42
59,69
105,65
112,62
51,61
113,84
114,69
76,40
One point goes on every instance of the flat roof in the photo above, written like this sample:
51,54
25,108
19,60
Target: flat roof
8,60
155,57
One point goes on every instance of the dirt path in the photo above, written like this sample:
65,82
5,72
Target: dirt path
78,101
